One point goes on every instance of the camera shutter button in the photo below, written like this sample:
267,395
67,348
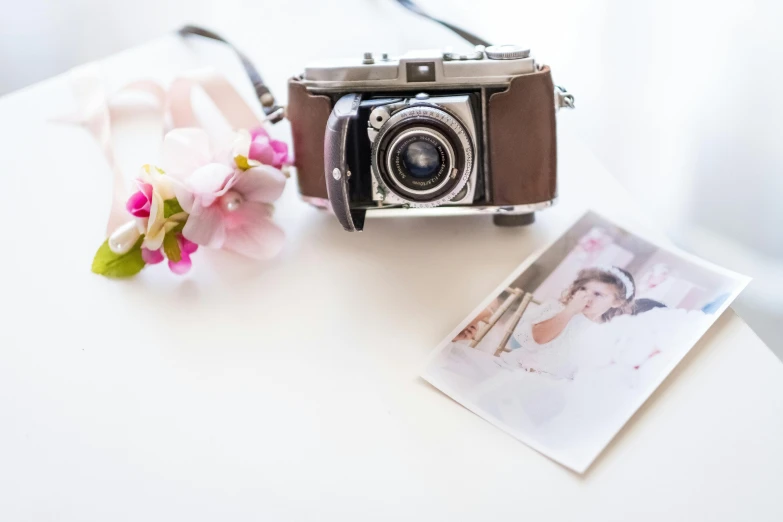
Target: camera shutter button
507,52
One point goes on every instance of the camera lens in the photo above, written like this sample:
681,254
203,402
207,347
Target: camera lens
419,161
420,158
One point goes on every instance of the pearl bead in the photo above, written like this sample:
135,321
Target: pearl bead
231,201
123,239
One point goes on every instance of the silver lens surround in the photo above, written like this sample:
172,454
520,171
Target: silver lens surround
436,138
421,119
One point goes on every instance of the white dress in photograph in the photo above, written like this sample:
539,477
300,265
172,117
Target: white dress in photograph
569,395
559,357
644,345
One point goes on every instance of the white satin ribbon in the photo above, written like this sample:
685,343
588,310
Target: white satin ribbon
173,106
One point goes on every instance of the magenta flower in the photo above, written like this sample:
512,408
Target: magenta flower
140,202
152,257
228,207
186,247
267,150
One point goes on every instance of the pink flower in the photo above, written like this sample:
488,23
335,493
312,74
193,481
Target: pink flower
186,248
267,150
228,207
153,257
595,240
140,202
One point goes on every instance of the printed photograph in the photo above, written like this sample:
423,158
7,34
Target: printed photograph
575,341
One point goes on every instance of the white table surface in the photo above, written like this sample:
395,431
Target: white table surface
289,390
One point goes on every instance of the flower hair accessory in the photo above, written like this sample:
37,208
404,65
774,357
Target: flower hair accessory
616,272
206,191
200,197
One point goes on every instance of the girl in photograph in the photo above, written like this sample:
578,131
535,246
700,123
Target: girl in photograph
560,333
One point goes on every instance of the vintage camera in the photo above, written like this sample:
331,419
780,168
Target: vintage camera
430,132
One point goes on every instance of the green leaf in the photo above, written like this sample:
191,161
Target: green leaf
171,207
171,247
109,264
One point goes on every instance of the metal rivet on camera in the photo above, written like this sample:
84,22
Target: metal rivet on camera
267,100
368,59
422,96
336,174
378,117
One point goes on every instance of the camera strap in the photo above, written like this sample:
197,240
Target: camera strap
275,112
471,38
272,110
269,105
563,98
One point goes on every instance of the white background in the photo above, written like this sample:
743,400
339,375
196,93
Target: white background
289,390
680,99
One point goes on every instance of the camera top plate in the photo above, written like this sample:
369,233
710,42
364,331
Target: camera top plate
424,69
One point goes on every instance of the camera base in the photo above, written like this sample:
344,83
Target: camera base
514,220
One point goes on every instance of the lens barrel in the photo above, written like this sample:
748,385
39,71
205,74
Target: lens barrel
422,155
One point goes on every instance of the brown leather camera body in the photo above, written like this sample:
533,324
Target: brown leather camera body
519,139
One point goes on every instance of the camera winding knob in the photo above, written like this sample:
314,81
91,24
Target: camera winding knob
507,52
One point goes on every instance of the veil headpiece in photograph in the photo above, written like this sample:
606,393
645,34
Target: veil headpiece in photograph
624,279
